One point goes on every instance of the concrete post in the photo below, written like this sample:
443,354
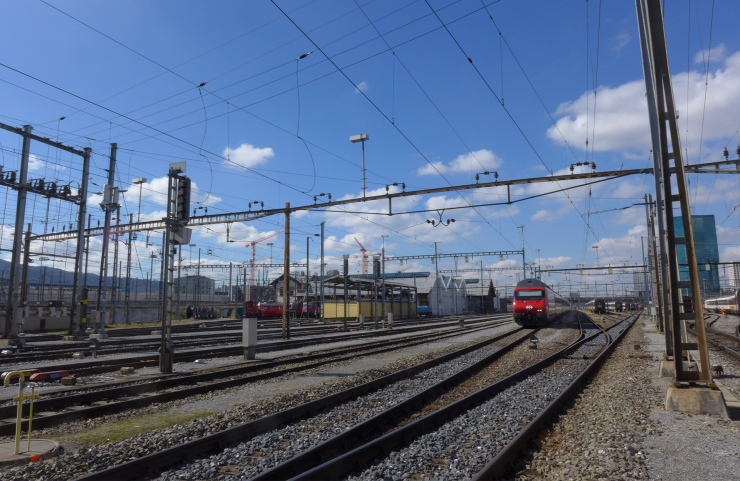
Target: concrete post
249,337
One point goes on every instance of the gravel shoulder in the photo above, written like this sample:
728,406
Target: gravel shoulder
617,427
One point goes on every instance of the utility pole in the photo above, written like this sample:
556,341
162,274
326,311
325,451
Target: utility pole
436,279
87,252
382,253
110,203
175,234
658,279
13,311
286,275
128,271
663,122
79,251
323,319
179,282
178,292
116,272
524,263
197,283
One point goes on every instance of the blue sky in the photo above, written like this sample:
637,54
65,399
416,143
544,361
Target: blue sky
247,116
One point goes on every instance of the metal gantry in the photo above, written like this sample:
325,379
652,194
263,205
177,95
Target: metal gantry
663,123
13,314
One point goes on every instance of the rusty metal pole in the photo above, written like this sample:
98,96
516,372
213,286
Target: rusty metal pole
286,275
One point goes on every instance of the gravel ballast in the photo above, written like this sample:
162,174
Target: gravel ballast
77,460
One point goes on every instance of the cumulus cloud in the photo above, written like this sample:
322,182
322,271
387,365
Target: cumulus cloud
361,87
730,254
470,162
717,53
247,155
541,214
622,118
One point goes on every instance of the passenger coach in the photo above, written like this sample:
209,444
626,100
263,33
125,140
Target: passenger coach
731,304
597,306
535,304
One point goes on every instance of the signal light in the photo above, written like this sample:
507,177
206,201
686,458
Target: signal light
183,199
346,265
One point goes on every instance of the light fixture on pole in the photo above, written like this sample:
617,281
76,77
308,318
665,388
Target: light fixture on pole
361,138
140,181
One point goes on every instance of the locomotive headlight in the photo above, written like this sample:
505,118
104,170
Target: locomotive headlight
539,310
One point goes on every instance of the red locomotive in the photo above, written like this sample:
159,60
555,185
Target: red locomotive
270,309
252,310
535,304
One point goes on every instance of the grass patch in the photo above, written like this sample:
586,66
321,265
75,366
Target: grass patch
128,428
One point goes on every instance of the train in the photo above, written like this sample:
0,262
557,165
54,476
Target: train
597,306
614,306
535,304
730,303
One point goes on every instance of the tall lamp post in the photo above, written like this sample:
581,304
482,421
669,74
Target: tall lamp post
140,181
597,255
361,138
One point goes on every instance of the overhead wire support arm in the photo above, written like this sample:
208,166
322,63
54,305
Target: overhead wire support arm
246,216
468,254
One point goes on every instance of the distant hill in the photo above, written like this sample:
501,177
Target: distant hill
55,277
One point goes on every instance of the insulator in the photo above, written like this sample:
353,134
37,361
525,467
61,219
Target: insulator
725,153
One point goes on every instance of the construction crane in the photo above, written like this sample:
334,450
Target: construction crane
252,244
364,256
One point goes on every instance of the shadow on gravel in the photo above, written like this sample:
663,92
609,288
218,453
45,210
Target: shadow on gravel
734,413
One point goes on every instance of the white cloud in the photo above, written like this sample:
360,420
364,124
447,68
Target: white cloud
638,229
362,86
622,118
36,164
247,155
541,214
731,254
155,191
620,41
471,162
558,261
717,53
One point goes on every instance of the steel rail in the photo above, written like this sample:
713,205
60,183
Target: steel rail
497,466
104,365
338,444
713,332
147,465
345,463
205,383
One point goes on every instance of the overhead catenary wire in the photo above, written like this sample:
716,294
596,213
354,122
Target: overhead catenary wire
516,124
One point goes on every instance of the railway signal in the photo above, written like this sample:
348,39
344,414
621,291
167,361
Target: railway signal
183,199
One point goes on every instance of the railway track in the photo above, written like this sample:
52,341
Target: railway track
413,385
103,365
726,342
73,404
117,346
486,410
